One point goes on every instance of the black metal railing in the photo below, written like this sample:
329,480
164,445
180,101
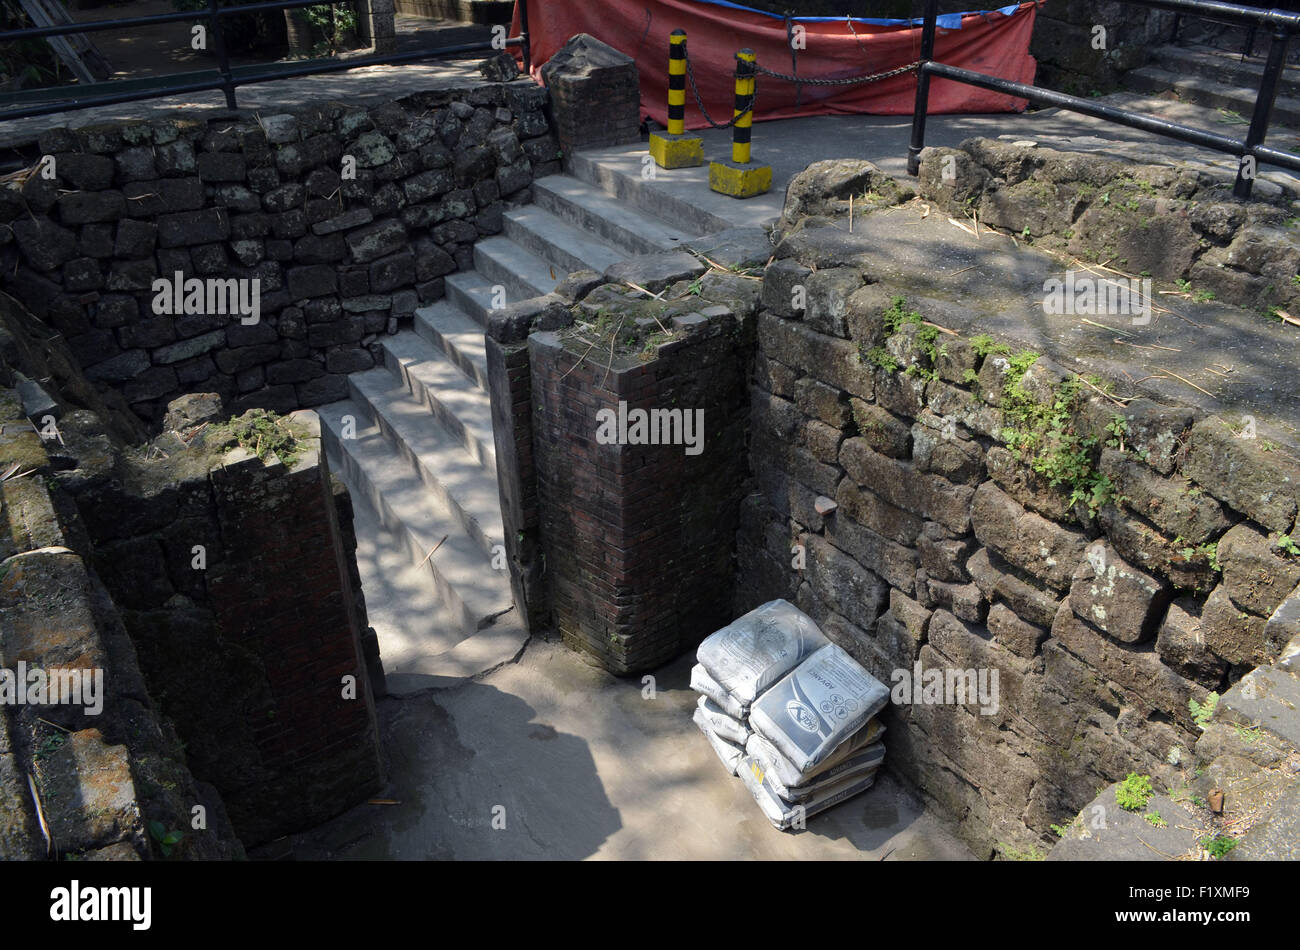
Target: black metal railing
1282,26
227,80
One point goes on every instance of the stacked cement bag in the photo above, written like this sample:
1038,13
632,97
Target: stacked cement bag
789,712
738,663
816,741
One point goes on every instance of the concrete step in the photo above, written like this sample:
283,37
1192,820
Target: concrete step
1212,94
488,649
376,471
477,296
592,210
455,400
522,273
1224,67
472,294
449,329
411,619
458,485
560,244
681,195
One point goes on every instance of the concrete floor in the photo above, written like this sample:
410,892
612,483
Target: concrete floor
789,145
584,766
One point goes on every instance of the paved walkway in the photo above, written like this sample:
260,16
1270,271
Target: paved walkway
159,45
789,145
585,767
1232,357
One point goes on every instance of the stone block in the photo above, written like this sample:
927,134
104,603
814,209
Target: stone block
1116,597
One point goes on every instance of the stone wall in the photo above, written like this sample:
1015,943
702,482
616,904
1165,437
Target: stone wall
940,499
109,783
1070,56
239,591
349,217
1065,44
464,11
1171,224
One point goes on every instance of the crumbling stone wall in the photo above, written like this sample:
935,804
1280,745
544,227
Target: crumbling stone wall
109,783
1124,561
595,95
1172,224
349,217
232,576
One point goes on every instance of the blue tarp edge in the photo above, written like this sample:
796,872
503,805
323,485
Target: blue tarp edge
945,21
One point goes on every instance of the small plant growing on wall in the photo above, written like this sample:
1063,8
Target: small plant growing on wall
1201,712
1218,845
1134,792
167,840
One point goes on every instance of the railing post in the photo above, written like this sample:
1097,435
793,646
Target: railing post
1263,109
742,130
223,61
674,148
740,177
922,88
677,83
525,47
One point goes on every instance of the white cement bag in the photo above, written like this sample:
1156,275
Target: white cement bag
702,682
729,754
779,767
733,730
815,707
755,650
858,765
782,814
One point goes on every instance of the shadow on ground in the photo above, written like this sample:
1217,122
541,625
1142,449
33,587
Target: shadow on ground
585,764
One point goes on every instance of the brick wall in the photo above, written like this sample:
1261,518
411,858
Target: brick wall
340,260
510,381
595,95
638,538
246,651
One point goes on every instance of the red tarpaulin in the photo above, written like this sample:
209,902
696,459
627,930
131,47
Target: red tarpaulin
995,43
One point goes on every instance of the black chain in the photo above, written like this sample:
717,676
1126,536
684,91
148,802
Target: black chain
690,75
850,81
797,80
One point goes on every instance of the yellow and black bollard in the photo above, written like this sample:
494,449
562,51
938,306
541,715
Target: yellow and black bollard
739,177
676,149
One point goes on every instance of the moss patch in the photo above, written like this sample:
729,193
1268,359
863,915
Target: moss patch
261,432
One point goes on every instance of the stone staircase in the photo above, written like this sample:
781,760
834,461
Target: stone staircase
1217,80
413,440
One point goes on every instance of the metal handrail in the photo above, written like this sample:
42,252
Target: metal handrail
230,80
1282,24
